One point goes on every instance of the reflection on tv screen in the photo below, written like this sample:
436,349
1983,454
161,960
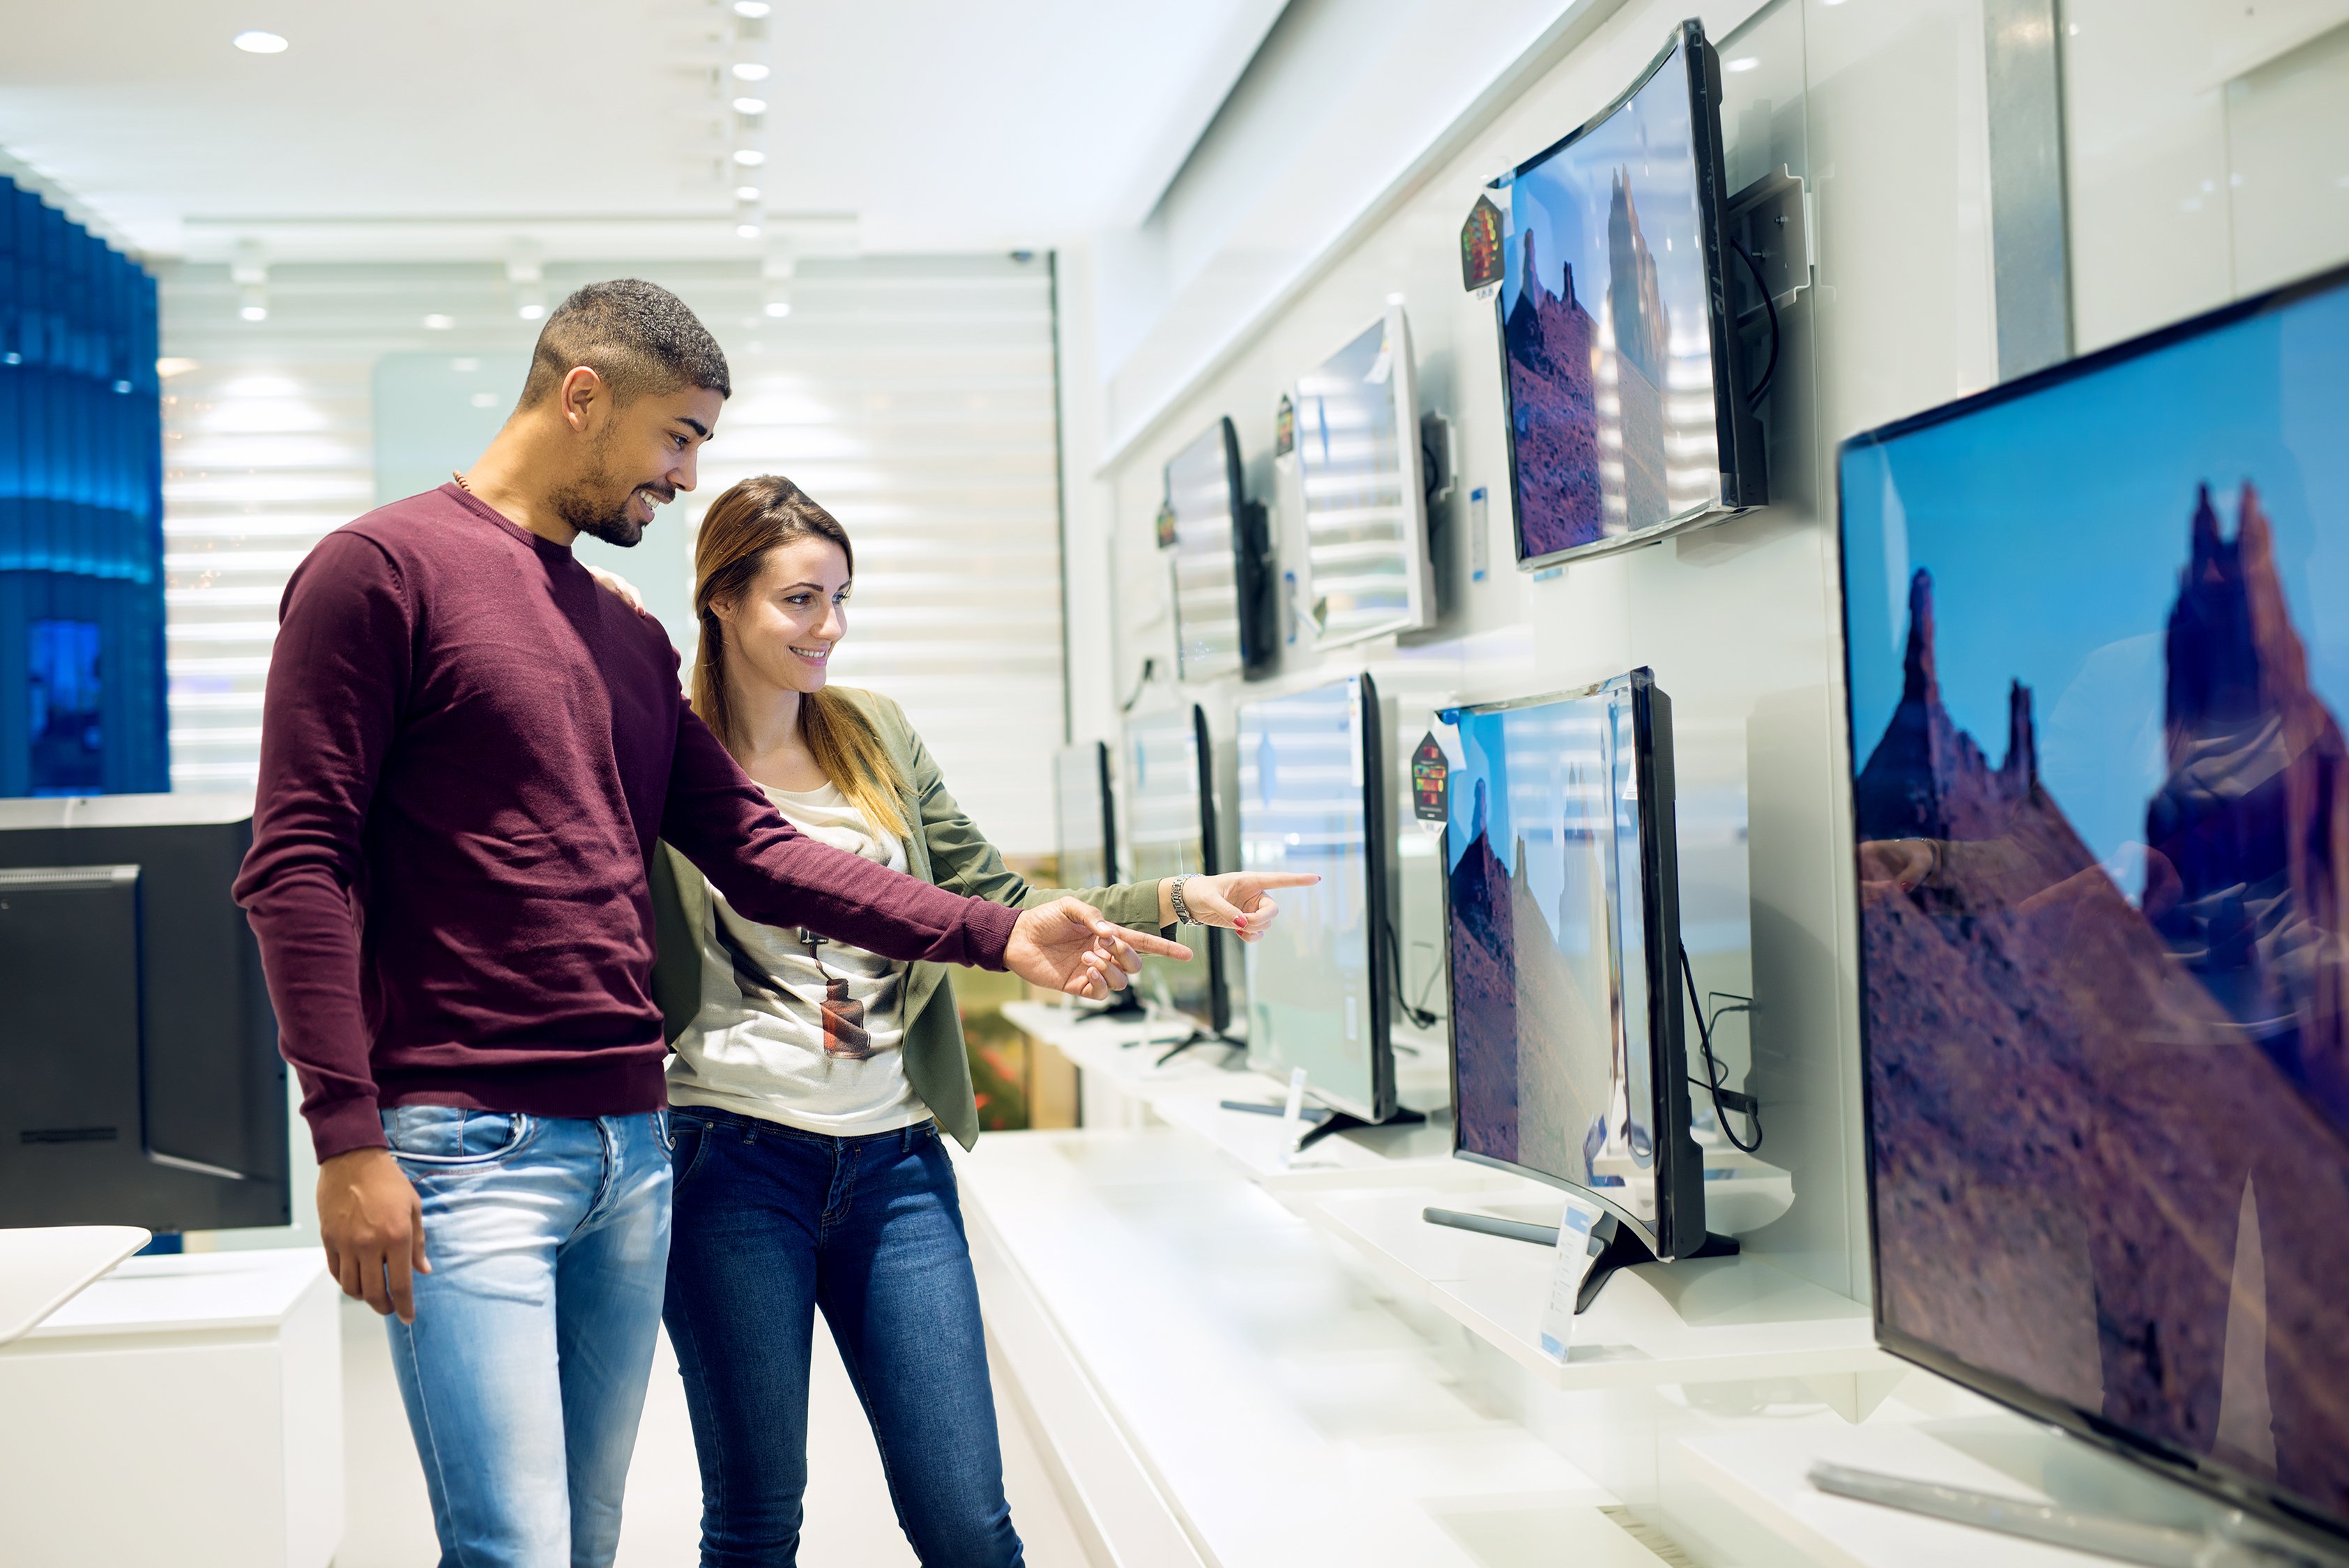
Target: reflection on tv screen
1604,328
2099,652
1165,829
1542,847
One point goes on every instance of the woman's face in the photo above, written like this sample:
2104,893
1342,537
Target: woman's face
782,629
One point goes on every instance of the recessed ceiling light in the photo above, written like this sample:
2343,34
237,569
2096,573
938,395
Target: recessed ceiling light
170,366
748,156
746,193
745,231
750,106
437,323
749,71
779,307
254,41
1743,63
753,9
253,312
530,312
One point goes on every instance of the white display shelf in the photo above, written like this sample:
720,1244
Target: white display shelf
1189,1091
1704,1320
44,1267
1220,1390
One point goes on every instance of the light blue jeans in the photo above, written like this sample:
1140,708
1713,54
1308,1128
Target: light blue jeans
524,1371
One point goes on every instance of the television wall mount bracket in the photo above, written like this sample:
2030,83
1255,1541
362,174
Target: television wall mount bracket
1772,218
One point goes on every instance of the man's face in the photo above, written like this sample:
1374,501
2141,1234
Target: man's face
639,455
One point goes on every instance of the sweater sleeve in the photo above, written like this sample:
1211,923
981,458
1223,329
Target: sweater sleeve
718,819
339,678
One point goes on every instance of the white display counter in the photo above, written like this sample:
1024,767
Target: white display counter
183,1411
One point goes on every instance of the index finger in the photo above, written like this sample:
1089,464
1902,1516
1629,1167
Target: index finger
1286,879
398,1266
1155,946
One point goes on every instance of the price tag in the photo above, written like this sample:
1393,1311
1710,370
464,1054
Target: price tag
1577,1248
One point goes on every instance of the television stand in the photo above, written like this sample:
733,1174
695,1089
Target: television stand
1200,1037
1620,1249
1327,1121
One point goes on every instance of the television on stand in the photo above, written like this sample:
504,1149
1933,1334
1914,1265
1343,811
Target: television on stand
1629,401
2100,796
1220,545
1170,829
1569,1063
1086,817
140,1078
1312,798
1360,489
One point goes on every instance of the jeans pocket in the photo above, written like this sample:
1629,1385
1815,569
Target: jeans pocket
665,1130
689,1142
445,1137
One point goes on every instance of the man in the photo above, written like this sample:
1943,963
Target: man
469,748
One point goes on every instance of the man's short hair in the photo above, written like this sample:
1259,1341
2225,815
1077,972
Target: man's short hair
638,337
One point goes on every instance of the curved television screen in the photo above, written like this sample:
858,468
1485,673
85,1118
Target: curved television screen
1366,569
2098,669
1308,802
1627,412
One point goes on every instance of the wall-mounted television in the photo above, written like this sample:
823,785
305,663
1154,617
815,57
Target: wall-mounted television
1362,491
1621,368
1312,798
2097,673
1569,1059
140,1078
1170,829
1222,560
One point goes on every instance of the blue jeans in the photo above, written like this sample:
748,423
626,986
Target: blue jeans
772,1223
524,1371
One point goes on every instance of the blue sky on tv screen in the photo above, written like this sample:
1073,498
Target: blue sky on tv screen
1564,201
2056,525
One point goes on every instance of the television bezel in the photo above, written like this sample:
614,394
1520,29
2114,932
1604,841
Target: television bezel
1738,438
2210,1477
1679,1227
1402,386
1252,576
1377,911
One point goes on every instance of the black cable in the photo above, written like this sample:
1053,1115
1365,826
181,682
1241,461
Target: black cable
1420,1016
1770,304
1713,1070
1149,669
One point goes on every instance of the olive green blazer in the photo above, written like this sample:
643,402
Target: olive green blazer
947,848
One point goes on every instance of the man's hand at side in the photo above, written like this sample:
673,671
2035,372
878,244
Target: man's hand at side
373,1223
1066,945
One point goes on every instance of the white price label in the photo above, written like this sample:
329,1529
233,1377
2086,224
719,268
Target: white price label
1577,1248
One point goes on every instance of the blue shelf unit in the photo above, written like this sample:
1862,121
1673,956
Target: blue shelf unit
82,693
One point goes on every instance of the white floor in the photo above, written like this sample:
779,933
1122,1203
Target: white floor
849,1520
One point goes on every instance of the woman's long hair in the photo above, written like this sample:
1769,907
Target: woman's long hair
739,530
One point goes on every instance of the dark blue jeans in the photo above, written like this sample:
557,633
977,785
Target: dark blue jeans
770,1223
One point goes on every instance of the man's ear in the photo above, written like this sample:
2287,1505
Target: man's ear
582,396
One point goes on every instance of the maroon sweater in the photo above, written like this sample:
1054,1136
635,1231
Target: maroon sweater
468,750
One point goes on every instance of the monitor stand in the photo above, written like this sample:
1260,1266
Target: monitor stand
1622,1247
1327,1121
1122,1008
1200,1037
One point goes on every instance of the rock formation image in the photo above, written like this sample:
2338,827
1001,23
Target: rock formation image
1552,347
2070,1095
1642,342
1484,993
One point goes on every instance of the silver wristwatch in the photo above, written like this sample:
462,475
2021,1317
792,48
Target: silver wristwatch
1182,910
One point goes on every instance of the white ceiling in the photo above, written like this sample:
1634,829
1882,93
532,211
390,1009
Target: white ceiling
452,128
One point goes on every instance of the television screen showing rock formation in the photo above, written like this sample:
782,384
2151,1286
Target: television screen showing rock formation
1302,808
2098,638
1605,331
1548,951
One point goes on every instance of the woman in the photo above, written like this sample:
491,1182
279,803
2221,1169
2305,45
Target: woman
812,1078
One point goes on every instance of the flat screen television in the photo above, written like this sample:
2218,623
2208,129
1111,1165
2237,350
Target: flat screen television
2097,664
1170,829
1312,798
1361,491
1087,815
140,1078
1622,370
1221,556
1569,1060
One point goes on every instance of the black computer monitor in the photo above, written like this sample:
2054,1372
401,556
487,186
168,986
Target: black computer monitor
1614,307
1220,544
140,1078
1170,829
2097,676
1312,798
1087,819
1569,1060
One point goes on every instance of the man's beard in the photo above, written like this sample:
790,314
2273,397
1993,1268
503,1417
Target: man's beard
590,507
